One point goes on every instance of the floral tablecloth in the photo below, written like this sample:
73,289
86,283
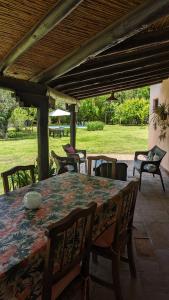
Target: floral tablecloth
22,231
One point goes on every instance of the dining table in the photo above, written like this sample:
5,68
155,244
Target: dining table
23,232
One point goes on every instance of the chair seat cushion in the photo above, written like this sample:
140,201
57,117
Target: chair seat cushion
106,238
150,168
70,149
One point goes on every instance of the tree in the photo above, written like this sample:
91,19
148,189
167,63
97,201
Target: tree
133,111
138,93
21,115
7,105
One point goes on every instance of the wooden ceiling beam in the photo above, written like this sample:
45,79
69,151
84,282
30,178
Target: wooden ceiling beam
127,75
101,74
117,32
156,73
29,99
60,11
22,85
109,60
121,82
143,39
122,88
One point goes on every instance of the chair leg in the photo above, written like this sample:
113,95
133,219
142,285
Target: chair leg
140,181
131,256
116,277
162,180
133,171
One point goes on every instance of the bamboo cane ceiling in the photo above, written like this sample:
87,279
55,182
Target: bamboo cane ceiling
90,17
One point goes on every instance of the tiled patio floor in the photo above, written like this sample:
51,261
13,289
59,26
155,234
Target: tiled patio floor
151,239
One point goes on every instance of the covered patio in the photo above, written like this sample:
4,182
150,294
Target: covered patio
71,50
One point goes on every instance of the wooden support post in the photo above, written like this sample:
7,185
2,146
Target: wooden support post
43,144
73,126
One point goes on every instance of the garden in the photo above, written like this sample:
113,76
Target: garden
110,127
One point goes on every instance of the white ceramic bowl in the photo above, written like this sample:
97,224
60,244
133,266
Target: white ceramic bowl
32,200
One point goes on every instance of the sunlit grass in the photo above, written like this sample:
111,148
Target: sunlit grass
113,139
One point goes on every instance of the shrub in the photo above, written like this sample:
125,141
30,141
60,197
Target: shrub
95,125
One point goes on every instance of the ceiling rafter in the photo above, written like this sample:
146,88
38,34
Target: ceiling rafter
121,82
119,31
118,89
102,74
105,61
60,11
157,73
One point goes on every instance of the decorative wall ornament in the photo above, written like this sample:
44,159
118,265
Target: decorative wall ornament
160,118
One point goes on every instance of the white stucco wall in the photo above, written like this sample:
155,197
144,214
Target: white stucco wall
160,91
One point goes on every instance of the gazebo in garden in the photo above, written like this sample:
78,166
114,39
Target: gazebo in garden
71,50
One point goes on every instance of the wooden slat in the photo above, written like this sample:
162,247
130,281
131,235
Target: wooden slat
119,31
157,70
53,17
101,74
119,88
120,82
105,61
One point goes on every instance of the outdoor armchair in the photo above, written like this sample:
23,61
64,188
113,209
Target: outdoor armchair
77,154
64,164
149,163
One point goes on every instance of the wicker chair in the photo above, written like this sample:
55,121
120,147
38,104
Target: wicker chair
64,164
67,257
78,155
18,177
113,241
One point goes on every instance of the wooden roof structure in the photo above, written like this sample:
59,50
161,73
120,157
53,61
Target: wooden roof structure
63,44
74,49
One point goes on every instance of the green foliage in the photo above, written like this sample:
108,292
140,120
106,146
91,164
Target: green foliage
95,125
22,115
139,93
7,104
133,111
19,179
99,109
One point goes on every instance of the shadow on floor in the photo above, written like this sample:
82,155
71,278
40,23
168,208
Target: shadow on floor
151,240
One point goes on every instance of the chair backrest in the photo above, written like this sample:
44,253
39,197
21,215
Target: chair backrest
158,151
103,166
69,244
121,171
126,214
18,177
63,163
57,161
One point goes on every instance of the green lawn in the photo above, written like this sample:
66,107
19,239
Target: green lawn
113,139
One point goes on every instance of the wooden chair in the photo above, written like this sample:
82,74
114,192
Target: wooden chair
151,164
64,164
107,167
18,177
77,154
113,241
68,251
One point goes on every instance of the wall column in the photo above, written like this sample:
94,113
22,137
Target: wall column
43,142
72,126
